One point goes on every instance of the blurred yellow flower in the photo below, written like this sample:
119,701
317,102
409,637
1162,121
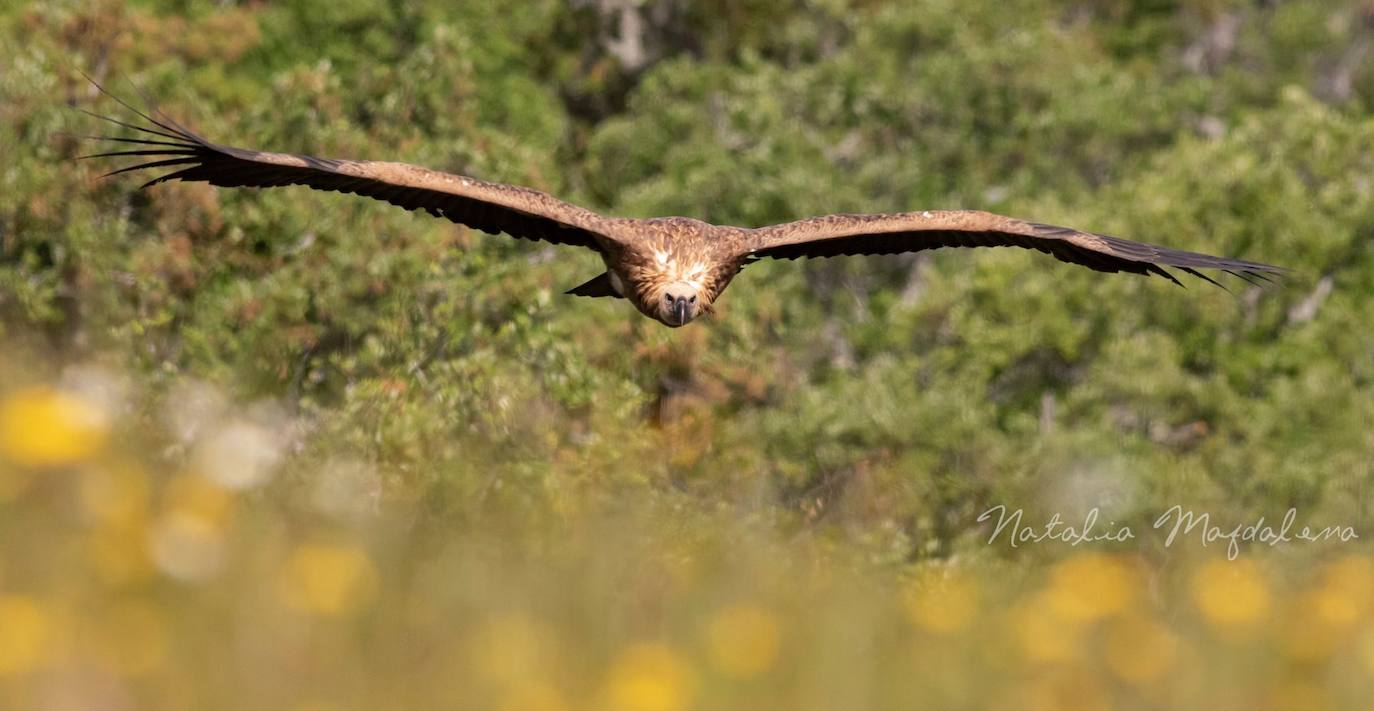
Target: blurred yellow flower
1346,593
1139,650
1321,619
649,677
743,641
1230,593
328,579
1091,586
1303,635
26,634
199,496
46,427
942,600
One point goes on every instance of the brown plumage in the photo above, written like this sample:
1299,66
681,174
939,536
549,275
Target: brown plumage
673,268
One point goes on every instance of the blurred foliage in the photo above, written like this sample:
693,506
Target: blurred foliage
840,415
172,552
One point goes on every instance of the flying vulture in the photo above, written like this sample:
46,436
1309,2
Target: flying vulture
671,268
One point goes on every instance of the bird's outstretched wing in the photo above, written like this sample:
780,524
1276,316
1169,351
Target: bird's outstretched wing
521,212
834,235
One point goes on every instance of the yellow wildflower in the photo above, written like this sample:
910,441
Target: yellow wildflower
1231,593
45,427
1347,591
649,677
1091,586
327,579
199,496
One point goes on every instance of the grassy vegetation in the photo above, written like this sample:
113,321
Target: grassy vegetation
282,449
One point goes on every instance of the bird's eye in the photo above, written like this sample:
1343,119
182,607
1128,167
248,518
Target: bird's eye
668,298
692,300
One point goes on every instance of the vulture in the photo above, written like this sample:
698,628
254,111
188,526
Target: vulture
671,268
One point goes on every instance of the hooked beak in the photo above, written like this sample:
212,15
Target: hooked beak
682,310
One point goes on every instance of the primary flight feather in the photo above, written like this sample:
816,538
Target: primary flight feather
671,268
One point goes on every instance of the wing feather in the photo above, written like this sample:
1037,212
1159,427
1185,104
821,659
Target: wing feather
833,235
490,207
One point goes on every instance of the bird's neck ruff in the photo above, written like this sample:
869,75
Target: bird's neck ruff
651,277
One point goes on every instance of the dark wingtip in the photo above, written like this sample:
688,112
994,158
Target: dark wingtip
130,126
110,154
153,164
165,178
1204,277
1156,269
170,128
121,139
1246,276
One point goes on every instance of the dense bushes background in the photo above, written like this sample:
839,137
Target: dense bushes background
905,391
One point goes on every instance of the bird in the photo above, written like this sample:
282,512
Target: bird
672,269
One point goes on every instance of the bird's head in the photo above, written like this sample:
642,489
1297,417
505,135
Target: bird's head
679,302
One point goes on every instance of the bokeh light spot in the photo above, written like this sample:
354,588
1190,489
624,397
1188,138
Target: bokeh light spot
649,676
1231,593
328,579
46,427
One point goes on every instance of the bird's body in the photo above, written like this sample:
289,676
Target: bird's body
671,268
671,257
